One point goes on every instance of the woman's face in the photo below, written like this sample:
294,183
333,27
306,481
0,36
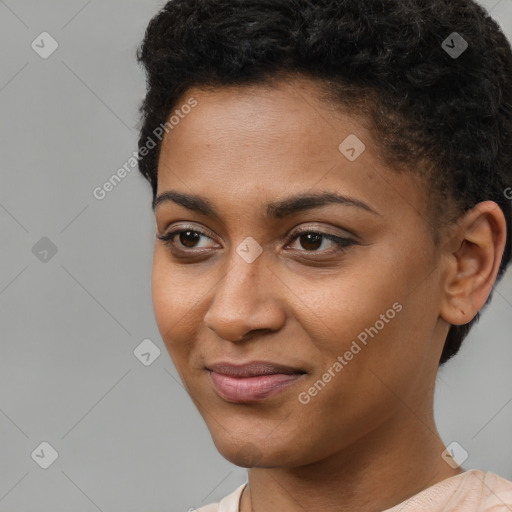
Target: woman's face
360,319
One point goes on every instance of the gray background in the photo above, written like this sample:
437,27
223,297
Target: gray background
127,435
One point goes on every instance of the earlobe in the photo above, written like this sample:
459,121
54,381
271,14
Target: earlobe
472,257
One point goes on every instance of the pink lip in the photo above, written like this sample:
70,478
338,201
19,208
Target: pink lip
251,389
252,381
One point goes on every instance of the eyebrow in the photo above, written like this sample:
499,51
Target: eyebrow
275,210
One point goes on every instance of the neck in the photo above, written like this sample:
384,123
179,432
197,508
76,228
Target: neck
389,465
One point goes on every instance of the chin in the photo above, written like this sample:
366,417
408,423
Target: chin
243,453
247,453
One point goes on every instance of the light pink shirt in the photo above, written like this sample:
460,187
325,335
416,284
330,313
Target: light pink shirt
471,491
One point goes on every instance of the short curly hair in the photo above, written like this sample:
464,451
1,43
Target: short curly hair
442,116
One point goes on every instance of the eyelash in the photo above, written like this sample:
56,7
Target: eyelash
342,243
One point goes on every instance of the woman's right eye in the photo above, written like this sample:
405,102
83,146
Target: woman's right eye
187,239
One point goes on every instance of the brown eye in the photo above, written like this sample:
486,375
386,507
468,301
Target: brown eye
187,238
311,241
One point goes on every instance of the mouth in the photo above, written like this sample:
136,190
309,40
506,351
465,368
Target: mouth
253,381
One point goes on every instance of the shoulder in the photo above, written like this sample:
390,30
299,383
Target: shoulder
212,507
229,503
470,491
481,491
496,492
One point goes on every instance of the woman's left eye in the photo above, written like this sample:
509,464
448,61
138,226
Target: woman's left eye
310,240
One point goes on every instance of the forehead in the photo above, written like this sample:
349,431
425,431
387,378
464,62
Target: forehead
268,141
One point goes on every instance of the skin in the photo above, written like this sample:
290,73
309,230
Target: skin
367,440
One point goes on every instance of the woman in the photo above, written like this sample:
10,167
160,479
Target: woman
328,185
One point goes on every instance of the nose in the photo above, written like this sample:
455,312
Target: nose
246,299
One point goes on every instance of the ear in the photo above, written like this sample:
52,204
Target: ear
472,256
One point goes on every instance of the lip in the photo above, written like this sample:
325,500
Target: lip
252,381
252,369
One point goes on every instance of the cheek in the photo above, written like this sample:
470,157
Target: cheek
161,287
174,303
378,316
340,308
